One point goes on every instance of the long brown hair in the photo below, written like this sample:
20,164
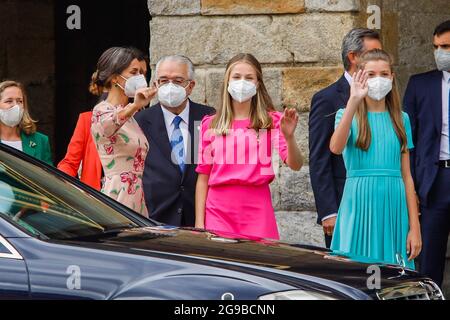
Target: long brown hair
112,62
392,105
261,103
27,124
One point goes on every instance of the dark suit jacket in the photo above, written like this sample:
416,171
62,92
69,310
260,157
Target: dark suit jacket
423,103
327,170
168,194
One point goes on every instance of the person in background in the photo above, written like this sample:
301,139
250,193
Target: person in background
171,127
119,140
17,128
427,101
378,216
235,153
81,151
327,170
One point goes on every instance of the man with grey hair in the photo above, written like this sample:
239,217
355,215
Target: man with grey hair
169,176
327,170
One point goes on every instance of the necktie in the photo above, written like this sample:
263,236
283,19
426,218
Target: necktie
176,141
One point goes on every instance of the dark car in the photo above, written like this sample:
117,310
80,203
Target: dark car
60,239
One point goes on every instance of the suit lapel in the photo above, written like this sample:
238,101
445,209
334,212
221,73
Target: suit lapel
436,99
343,87
29,146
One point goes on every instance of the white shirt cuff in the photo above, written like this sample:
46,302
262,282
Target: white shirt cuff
329,216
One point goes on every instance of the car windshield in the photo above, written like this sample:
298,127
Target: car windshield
50,207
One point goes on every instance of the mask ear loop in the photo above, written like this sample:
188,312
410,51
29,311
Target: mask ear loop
117,85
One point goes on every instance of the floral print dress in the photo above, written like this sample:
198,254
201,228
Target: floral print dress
122,147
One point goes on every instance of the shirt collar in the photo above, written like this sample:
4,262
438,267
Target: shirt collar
169,116
348,77
446,76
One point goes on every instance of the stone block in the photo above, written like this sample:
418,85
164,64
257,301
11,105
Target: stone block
290,39
296,191
199,93
251,7
173,7
438,7
300,84
332,5
299,227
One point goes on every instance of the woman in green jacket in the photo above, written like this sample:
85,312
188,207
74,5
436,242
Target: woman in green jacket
17,128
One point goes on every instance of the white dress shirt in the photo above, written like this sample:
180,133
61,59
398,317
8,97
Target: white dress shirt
348,77
445,145
170,127
14,144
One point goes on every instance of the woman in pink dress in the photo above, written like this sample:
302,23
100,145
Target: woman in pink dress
235,155
120,142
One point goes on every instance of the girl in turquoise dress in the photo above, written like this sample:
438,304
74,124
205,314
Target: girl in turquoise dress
378,215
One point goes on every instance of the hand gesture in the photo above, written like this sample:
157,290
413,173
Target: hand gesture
143,96
289,123
359,88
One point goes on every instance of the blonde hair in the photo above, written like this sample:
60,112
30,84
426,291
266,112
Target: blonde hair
27,124
393,105
261,103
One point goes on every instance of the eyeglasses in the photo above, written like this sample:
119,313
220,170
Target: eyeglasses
178,81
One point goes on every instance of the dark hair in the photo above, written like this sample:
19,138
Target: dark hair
112,62
442,28
354,41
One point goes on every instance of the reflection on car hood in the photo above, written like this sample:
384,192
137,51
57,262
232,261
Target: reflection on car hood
254,255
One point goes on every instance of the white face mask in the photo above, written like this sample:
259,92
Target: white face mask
379,87
442,58
12,116
241,90
134,83
171,95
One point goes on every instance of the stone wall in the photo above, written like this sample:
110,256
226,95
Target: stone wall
27,55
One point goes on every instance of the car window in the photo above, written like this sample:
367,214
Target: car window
3,249
48,206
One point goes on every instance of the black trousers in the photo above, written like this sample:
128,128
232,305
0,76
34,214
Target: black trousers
435,225
328,241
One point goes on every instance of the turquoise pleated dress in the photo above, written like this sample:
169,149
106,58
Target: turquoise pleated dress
373,223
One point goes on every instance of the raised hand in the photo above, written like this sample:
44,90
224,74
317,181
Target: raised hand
289,123
359,88
143,96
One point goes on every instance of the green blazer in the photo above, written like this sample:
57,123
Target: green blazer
37,145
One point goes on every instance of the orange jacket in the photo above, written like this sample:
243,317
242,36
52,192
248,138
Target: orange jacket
82,148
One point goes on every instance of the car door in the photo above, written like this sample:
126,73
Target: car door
14,282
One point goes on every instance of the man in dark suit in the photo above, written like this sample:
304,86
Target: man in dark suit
171,128
327,170
427,103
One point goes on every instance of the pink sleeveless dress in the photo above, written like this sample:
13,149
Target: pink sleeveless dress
240,170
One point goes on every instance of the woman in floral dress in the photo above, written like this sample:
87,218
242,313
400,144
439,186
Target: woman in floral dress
121,144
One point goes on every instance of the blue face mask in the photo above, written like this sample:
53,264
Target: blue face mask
442,58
